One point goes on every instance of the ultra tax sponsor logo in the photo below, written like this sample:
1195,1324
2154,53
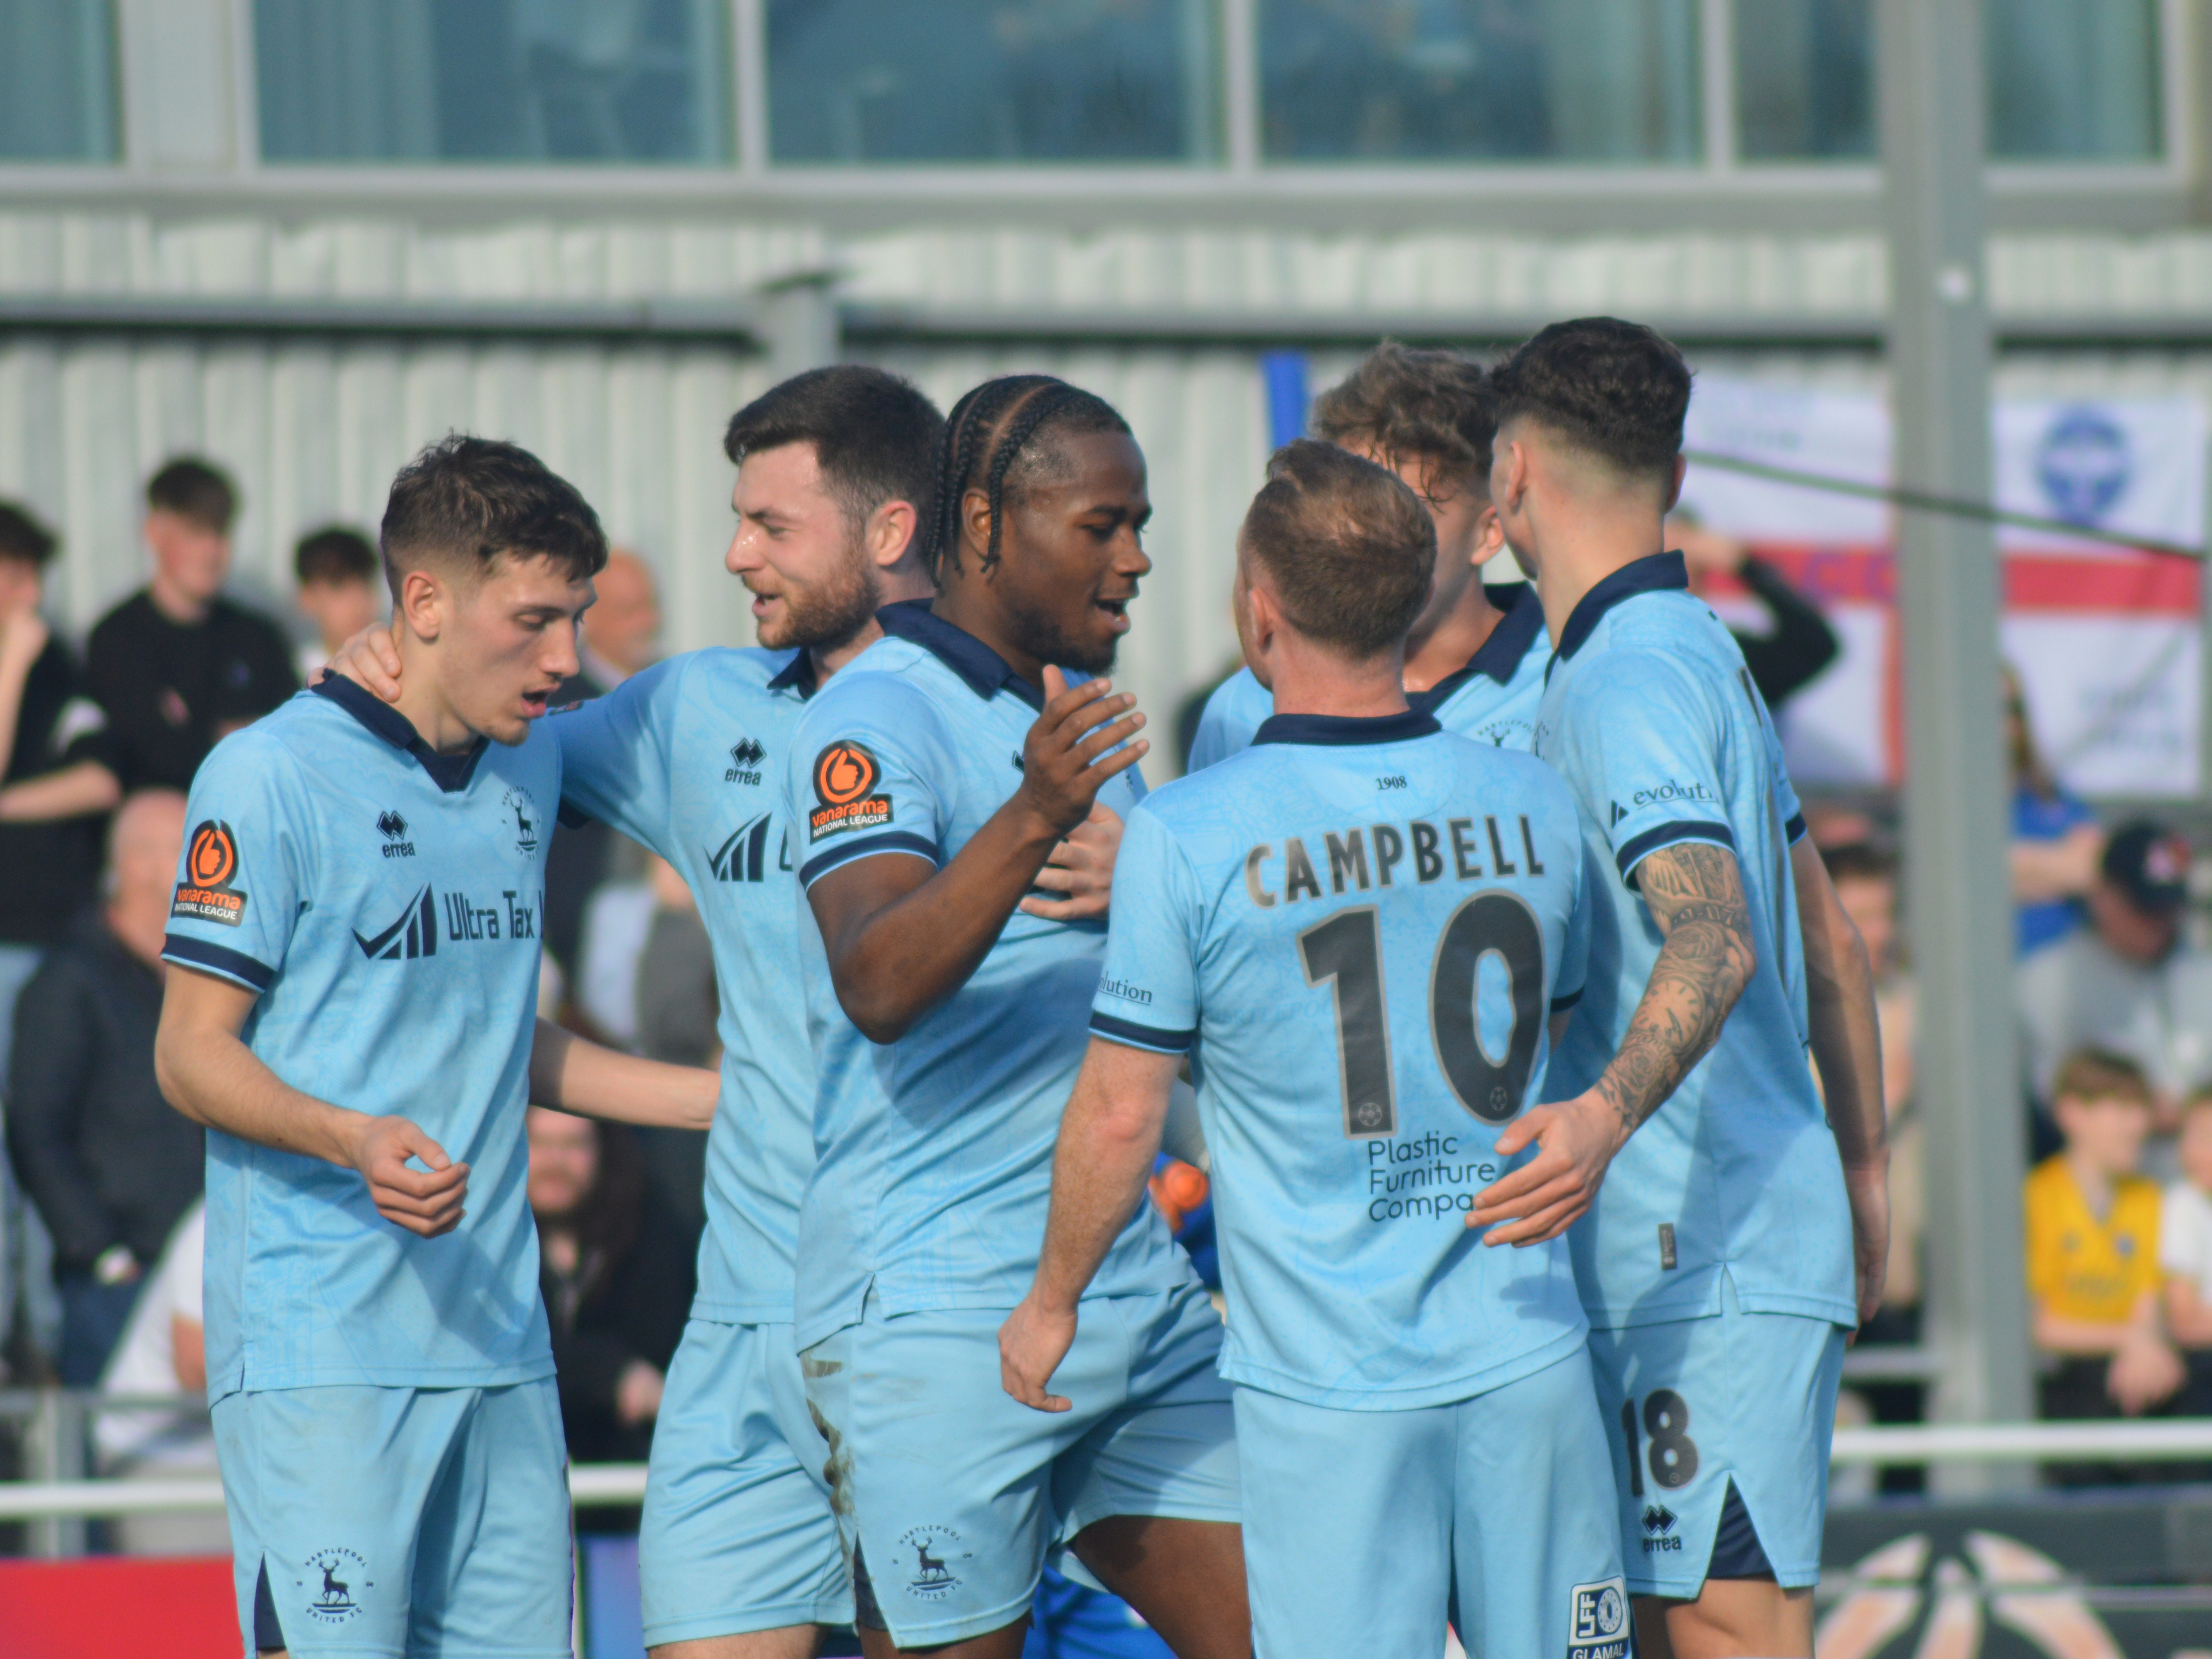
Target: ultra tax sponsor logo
206,893
414,933
746,755
845,773
1597,1621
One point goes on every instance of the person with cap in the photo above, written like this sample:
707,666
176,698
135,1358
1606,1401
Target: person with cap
2128,983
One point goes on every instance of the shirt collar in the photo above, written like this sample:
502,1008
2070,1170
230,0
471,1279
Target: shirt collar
796,674
451,773
1654,572
1500,655
985,671
1343,731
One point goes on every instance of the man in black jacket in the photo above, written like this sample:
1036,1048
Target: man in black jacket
107,1165
1797,643
178,667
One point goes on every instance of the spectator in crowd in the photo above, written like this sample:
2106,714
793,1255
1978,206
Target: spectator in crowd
616,1275
2092,1251
109,1165
621,632
2056,842
2185,1251
2127,983
176,665
1796,644
341,577
164,1351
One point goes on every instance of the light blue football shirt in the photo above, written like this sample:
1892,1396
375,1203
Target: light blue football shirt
935,1151
1491,700
1653,720
688,758
1357,929
386,903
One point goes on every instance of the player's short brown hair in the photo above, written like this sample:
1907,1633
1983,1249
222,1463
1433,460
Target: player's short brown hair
195,490
23,537
1406,405
466,503
1616,391
1350,550
2100,1074
335,554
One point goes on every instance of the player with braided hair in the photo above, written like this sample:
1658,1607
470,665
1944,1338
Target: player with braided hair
932,784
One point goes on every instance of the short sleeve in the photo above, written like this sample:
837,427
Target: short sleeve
1147,995
1643,738
248,866
614,755
873,771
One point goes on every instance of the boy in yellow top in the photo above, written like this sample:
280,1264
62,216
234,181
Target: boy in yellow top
2093,1274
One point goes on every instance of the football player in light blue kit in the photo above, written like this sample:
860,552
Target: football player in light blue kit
352,1012
1737,1236
1475,657
931,781
1357,931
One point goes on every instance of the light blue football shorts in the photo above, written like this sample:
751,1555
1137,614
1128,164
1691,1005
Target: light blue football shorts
949,1492
737,1534
399,1522
1721,1428
1365,1531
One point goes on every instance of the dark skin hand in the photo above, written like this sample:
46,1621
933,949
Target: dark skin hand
901,937
1695,894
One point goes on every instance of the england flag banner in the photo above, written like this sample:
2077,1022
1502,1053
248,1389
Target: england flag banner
2105,637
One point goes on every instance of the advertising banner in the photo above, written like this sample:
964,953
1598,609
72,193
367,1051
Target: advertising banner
2105,639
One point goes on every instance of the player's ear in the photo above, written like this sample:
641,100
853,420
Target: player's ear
1675,485
422,604
890,533
1489,536
976,523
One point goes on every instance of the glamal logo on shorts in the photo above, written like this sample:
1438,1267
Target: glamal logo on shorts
844,773
210,865
343,1572
935,1550
1597,1621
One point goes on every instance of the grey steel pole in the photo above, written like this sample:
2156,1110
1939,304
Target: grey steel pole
1956,788
799,315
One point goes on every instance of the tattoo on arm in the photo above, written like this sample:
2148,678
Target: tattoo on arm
1695,894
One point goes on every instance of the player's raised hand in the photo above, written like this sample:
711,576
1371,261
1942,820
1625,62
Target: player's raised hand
1061,771
370,658
1575,1141
1082,867
427,1201
1032,1344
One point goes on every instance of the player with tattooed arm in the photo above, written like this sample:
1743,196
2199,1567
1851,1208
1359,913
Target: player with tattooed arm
1356,929
1737,1236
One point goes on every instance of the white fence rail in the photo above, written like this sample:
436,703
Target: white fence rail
603,1485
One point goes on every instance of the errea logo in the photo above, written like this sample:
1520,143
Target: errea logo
745,757
393,829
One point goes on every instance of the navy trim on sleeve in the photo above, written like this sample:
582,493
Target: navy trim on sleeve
218,959
894,841
1794,831
1666,835
1561,1003
1142,1036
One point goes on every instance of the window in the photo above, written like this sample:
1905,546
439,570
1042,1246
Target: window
1804,80
57,80
1479,80
993,80
2073,80
623,81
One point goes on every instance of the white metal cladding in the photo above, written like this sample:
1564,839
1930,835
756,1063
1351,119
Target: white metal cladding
314,430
